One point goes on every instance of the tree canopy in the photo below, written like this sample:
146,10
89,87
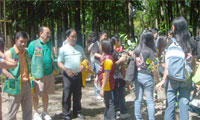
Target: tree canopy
116,16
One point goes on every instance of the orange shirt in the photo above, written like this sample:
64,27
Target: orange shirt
24,75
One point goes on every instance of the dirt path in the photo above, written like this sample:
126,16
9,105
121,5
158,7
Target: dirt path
91,107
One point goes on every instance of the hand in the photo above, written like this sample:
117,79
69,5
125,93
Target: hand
82,68
160,84
128,86
130,53
122,59
70,72
102,92
198,87
10,76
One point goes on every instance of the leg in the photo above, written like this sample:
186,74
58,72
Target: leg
45,101
49,88
121,98
66,99
96,90
171,93
109,113
36,97
26,100
115,95
138,101
77,94
184,95
149,89
14,103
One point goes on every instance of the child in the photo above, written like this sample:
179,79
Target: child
119,92
106,77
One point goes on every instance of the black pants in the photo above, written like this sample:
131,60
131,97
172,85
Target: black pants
71,86
109,113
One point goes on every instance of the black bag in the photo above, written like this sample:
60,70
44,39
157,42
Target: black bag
131,72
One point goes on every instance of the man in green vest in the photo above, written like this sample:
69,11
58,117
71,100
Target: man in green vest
42,67
18,83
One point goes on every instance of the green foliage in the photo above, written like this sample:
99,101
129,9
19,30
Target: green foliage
28,15
127,43
151,66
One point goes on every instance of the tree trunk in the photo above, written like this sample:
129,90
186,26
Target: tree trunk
78,22
130,20
126,17
191,11
183,8
177,9
196,17
170,15
84,26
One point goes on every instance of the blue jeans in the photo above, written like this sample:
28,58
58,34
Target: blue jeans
144,83
96,89
172,88
119,99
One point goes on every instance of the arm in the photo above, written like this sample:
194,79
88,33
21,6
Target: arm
7,64
121,60
97,55
155,72
90,47
69,72
2,55
7,74
105,79
30,50
61,60
160,84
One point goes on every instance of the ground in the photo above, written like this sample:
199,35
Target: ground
92,108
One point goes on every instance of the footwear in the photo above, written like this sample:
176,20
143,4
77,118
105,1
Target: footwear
80,116
45,116
99,97
37,116
125,116
67,118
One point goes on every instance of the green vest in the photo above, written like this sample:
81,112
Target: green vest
37,61
13,86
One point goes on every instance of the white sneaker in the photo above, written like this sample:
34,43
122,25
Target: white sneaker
125,116
99,97
37,116
45,116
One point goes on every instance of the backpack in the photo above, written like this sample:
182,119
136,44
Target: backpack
178,63
131,72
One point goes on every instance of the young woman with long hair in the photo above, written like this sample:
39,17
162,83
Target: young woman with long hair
173,86
144,57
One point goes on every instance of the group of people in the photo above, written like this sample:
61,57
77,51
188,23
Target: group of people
153,58
19,65
170,60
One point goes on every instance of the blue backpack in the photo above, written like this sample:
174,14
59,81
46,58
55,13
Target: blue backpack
178,63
